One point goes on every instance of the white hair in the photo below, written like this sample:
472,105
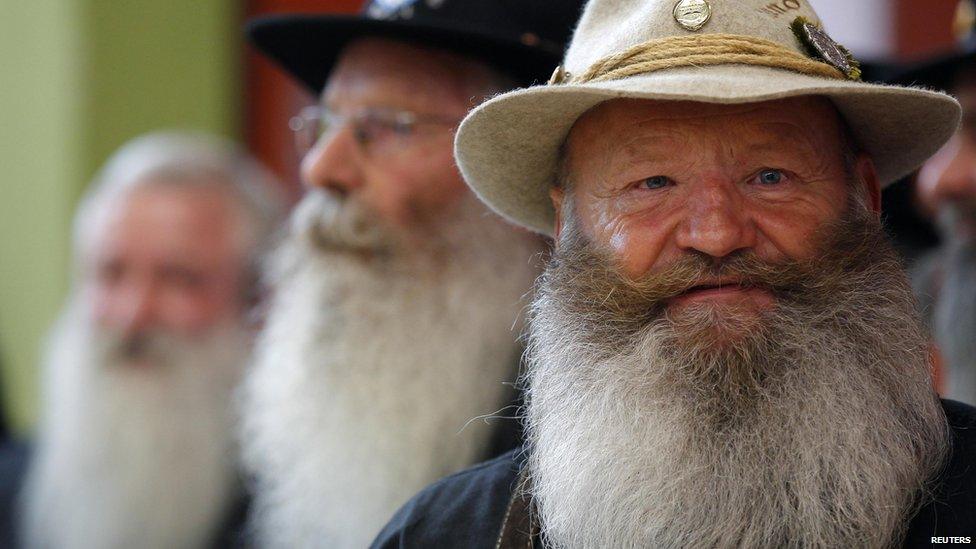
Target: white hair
183,158
366,373
133,458
954,312
813,424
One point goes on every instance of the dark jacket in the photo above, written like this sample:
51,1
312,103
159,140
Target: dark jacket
476,509
14,459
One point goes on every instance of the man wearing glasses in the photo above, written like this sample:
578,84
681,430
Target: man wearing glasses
398,295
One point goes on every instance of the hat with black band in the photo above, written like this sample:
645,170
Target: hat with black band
522,38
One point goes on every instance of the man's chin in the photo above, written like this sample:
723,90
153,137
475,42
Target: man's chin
330,247
704,324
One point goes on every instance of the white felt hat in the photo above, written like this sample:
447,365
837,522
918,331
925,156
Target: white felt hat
507,148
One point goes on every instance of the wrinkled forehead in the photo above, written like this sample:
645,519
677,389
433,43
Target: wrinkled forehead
780,118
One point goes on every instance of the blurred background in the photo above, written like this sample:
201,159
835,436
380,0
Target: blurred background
78,78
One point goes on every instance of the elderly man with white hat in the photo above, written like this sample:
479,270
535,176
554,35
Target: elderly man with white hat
723,350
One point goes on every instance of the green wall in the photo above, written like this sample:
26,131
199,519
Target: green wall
77,79
40,152
157,65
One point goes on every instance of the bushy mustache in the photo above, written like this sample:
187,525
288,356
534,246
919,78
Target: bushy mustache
333,224
153,348
692,270
591,285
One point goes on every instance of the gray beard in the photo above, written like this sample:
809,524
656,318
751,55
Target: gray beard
954,319
133,456
805,430
370,367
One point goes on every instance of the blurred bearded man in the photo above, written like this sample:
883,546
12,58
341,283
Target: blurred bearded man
724,350
135,447
397,293
946,188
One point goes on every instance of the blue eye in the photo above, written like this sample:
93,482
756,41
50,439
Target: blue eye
770,177
656,182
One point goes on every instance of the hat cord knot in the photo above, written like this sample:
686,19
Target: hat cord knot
701,50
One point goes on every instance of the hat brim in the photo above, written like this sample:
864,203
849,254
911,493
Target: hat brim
507,148
308,46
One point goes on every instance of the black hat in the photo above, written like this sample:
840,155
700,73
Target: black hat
940,71
523,38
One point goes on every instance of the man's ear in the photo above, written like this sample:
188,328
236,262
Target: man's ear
868,176
556,194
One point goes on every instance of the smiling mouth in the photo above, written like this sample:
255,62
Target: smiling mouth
721,291
719,286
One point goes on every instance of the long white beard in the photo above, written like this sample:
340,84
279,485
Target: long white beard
819,429
367,376
134,456
954,318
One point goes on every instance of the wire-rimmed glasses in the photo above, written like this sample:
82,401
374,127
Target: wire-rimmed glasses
377,131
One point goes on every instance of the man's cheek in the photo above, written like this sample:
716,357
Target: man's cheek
634,242
779,239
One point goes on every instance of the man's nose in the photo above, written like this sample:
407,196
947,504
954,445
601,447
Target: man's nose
956,182
132,311
715,223
334,163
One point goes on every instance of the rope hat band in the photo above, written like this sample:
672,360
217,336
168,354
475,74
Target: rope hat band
696,51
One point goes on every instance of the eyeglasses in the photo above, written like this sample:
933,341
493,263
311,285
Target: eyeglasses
379,132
